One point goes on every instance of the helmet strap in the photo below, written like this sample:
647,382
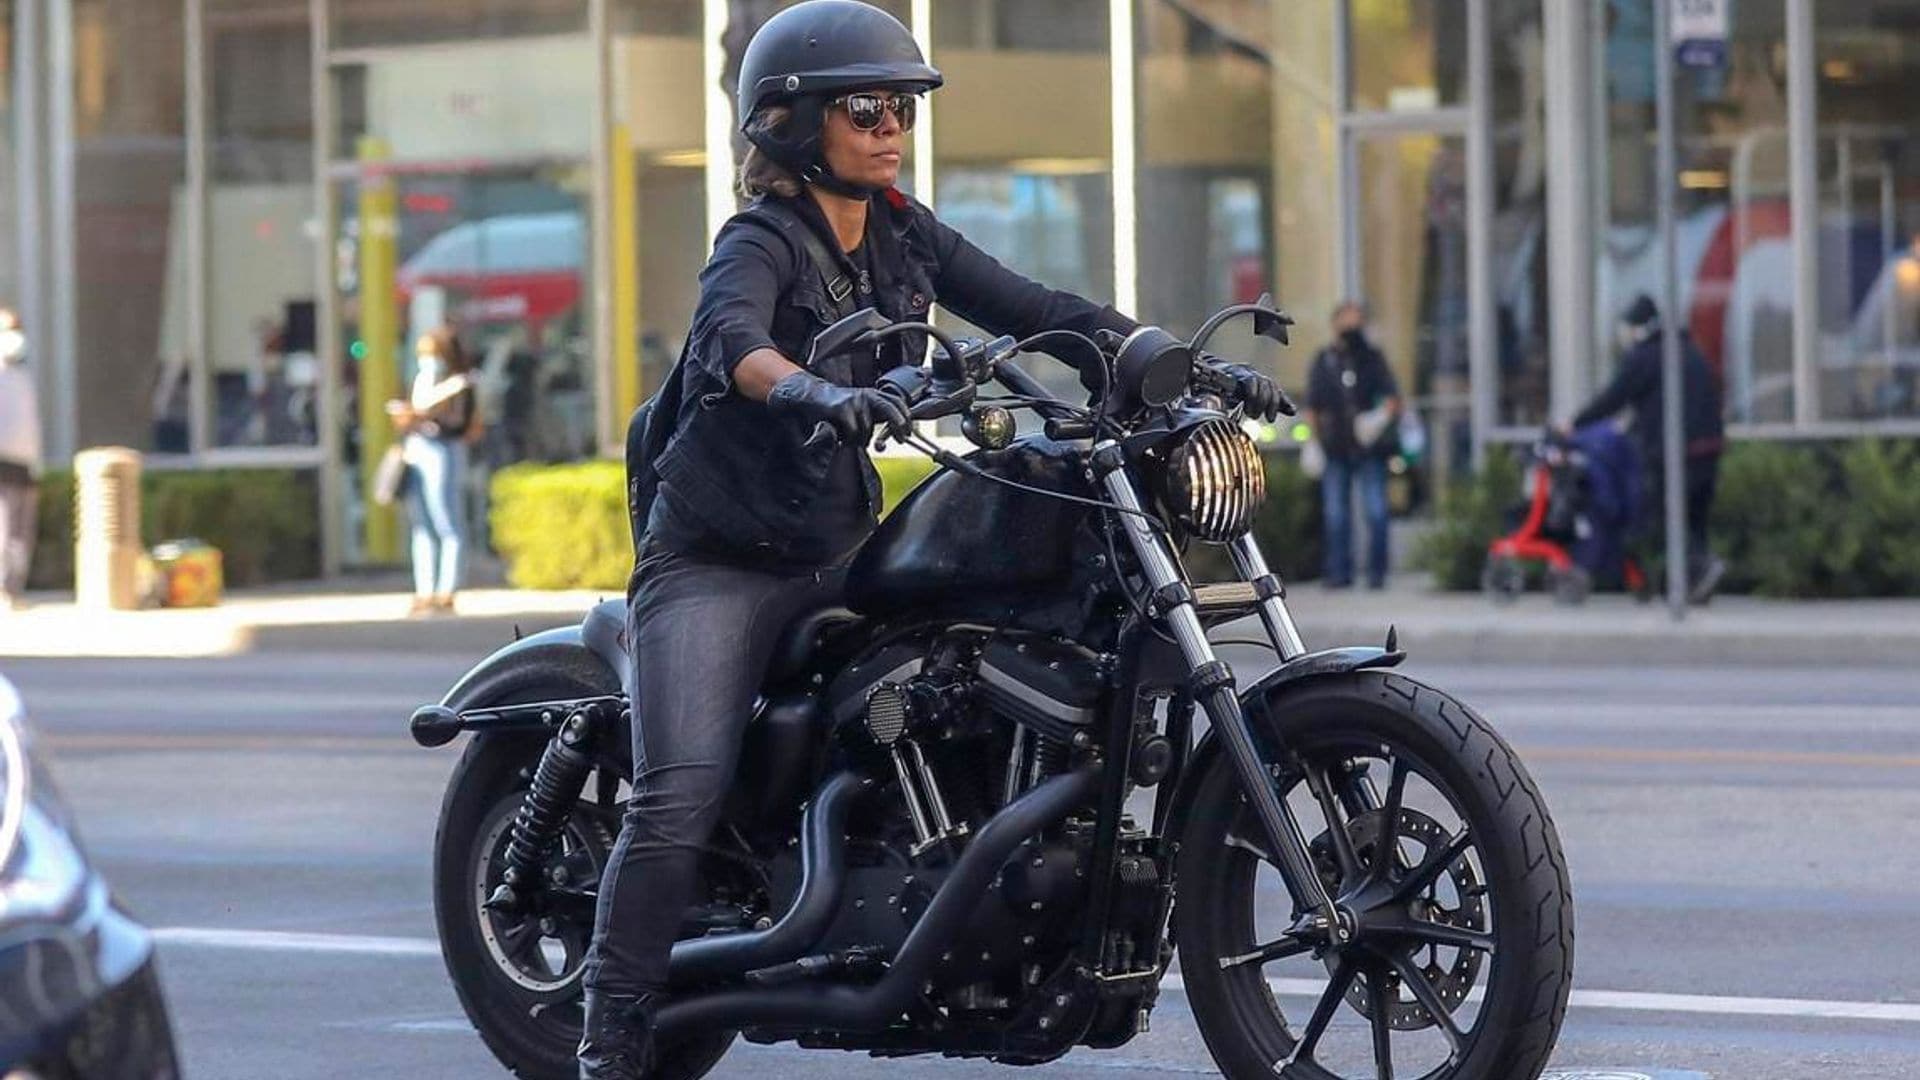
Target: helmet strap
820,176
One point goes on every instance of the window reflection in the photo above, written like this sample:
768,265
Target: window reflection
262,352
1869,170
1735,227
130,252
1409,55
1031,186
1519,242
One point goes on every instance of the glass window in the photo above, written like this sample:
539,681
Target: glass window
1031,186
1408,55
1413,270
1308,238
262,353
1735,225
1205,162
1520,213
9,238
659,189
1869,169
358,23
133,368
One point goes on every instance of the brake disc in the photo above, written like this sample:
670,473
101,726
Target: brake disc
1452,971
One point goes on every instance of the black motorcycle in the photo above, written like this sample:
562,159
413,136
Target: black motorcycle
973,817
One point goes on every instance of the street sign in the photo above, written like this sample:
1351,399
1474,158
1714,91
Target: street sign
1699,32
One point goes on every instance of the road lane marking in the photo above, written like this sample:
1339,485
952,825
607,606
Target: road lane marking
1713,756
287,941
1624,1000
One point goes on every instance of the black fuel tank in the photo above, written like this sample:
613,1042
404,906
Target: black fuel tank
959,539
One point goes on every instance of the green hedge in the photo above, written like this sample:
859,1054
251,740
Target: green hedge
565,526
1825,520
262,520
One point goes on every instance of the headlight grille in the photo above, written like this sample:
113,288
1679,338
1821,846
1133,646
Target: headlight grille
1216,481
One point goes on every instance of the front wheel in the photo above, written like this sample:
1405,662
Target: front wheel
1435,841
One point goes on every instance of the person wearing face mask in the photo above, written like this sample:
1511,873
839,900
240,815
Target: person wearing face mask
1352,402
19,460
1639,388
743,523
438,421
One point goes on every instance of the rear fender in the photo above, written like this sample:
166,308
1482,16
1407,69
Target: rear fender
1265,697
552,665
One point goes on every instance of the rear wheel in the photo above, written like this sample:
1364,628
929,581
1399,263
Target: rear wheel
1432,836
1504,579
518,975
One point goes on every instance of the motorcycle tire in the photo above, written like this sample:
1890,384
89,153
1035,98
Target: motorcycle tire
532,1034
1517,880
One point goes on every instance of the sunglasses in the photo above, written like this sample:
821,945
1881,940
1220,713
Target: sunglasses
865,111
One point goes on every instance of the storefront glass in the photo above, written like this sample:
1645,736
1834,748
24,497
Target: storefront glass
1869,169
1205,129
9,238
261,224
463,198
658,187
1408,55
1023,142
133,382
1412,210
1519,241
1734,239
381,23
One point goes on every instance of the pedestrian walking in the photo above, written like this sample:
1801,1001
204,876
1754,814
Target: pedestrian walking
438,422
1353,403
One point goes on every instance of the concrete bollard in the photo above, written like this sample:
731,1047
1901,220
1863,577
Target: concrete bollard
106,528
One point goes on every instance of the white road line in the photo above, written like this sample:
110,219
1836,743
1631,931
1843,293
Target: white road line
284,941
1622,1000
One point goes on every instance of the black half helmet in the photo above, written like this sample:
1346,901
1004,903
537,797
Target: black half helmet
821,48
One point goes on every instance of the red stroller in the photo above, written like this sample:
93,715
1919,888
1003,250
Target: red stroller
1562,526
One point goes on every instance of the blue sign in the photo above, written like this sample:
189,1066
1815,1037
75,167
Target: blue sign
1701,53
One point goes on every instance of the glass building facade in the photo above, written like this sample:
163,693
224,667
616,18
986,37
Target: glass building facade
226,218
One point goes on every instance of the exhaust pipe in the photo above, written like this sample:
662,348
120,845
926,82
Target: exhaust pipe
813,1006
823,878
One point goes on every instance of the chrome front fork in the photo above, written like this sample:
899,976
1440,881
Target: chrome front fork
1172,602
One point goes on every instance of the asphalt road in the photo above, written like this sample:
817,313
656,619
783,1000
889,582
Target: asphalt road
1745,849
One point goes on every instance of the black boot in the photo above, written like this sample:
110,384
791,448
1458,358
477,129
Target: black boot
618,1041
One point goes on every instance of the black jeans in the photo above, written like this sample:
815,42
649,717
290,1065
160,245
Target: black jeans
702,634
1703,481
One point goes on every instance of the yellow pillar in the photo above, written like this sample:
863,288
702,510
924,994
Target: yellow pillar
380,332
625,245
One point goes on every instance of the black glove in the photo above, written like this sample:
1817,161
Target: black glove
1261,395
850,412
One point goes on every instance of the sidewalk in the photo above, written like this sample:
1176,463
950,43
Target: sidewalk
1433,627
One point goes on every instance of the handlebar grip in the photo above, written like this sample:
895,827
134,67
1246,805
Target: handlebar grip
1066,429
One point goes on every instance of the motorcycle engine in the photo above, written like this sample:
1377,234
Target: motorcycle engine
952,729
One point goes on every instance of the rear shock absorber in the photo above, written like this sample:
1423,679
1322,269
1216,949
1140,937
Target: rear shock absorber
556,786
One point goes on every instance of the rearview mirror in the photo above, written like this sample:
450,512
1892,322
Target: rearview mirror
1269,321
845,335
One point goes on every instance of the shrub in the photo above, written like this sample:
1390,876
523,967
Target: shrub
562,526
1791,520
1471,513
565,526
262,520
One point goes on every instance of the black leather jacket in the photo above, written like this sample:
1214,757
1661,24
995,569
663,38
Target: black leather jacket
735,479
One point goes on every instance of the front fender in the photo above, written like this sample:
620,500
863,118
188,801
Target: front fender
1257,701
552,664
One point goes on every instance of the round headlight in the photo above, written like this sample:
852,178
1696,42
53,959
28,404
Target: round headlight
1215,481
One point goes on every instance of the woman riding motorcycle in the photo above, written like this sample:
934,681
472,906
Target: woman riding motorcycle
751,522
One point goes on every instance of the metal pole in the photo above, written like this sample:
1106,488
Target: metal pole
1483,368
1670,322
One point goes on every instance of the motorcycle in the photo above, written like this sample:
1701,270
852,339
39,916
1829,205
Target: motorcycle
977,814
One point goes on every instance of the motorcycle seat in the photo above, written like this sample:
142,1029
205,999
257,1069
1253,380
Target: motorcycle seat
604,632
804,637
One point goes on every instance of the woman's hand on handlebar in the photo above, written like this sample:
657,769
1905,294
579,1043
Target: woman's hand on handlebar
848,413
1260,394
